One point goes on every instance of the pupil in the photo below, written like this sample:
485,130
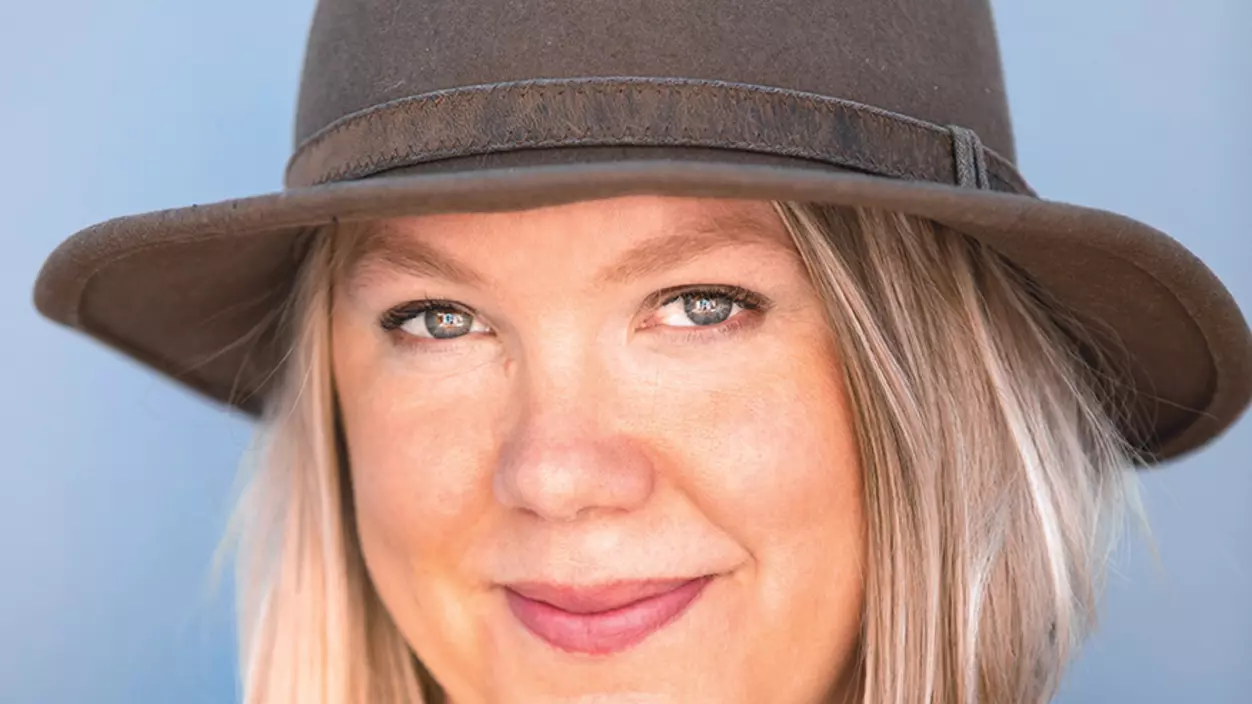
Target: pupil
707,310
447,323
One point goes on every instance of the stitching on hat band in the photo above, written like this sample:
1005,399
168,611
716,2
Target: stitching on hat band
656,112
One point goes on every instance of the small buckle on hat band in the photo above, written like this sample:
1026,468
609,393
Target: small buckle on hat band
969,158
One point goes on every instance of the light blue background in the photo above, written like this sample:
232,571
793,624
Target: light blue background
116,483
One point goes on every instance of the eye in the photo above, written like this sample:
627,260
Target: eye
436,320
705,307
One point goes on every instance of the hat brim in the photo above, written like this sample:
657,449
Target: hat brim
184,290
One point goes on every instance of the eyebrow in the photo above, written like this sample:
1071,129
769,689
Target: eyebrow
398,251
687,242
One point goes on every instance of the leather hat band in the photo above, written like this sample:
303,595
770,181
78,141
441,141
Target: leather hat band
653,112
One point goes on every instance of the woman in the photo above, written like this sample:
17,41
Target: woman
711,359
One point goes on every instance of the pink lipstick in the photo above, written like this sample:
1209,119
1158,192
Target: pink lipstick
601,620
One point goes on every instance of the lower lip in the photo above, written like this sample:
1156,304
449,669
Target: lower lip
605,632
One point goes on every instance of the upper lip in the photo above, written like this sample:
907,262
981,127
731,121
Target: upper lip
596,598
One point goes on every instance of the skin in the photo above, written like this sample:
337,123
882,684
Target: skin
579,434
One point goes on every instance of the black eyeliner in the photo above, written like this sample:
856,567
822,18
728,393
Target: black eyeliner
747,299
403,313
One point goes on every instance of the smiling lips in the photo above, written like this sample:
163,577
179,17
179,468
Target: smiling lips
601,620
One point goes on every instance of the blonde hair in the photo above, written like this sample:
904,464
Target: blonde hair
996,480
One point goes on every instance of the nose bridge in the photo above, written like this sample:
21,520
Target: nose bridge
562,377
562,453
558,374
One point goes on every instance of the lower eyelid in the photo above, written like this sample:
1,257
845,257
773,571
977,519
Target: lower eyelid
696,334
431,345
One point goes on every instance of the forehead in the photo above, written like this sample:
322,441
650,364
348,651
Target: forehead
626,237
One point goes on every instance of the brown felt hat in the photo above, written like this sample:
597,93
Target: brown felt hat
409,107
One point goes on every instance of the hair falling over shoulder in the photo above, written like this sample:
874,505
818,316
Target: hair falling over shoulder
996,480
311,627
996,475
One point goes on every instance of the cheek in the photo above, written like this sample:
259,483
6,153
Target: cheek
416,453
414,468
770,452
771,459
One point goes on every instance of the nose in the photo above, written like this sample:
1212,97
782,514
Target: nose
561,460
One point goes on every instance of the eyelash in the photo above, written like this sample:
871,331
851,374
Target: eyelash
398,316
750,301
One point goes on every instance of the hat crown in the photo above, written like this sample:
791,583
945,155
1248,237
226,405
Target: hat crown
935,60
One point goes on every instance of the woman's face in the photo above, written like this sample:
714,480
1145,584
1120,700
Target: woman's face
602,452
